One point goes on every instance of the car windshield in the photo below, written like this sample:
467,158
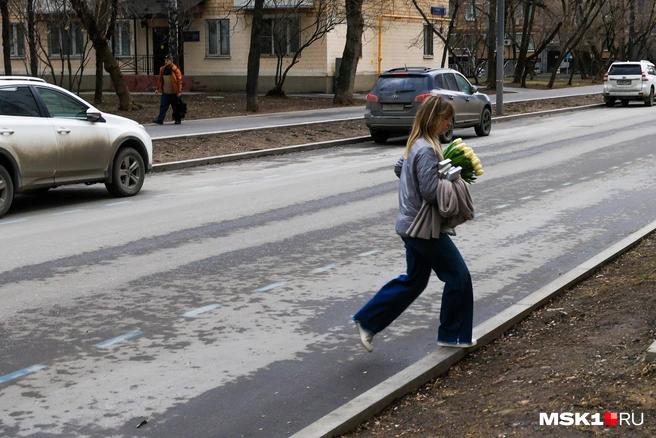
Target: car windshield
627,69
401,84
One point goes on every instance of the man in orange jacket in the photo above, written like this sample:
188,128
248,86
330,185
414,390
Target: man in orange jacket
169,85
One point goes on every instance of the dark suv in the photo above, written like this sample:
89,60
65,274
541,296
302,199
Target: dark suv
397,94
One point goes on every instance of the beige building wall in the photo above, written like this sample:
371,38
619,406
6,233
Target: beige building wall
393,38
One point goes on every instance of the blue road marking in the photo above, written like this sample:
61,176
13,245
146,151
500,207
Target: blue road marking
67,212
200,310
323,268
118,339
271,286
12,222
117,203
368,253
21,373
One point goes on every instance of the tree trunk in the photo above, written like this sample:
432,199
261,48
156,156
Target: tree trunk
174,30
522,64
6,36
253,73
126,103
492,46
31,39
351,55
98,94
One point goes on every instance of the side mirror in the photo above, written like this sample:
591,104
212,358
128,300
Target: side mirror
474,90
94,116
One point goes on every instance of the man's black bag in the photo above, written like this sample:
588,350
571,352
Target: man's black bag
179,109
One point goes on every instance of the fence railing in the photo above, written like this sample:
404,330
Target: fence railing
140,64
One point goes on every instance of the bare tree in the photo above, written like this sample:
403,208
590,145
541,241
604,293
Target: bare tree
491,44
254,53
99,22
6,35
352,50
578,17
623,33
31,37
539,36
54,38
292,34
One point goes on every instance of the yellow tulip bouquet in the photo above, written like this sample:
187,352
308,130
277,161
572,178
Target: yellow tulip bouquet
463,156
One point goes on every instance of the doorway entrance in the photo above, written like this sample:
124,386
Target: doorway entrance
160,47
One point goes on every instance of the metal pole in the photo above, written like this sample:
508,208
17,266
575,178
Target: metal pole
500,54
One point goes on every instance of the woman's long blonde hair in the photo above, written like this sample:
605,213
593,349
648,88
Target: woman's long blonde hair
432,113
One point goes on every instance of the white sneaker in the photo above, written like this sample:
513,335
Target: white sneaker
365,338
457,344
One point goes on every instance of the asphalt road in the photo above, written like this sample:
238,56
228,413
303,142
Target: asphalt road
217,302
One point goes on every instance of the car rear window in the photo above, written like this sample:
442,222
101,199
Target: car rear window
398,84
18,101
626,69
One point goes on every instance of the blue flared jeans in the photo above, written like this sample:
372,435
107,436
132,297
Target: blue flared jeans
422,256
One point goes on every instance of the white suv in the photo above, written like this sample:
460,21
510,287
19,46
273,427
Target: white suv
630,80
50,137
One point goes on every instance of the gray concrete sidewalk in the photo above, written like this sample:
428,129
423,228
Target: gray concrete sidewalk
260,121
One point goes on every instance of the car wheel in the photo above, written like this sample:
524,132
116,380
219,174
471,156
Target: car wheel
610,102
625,102
485,127
447,136
6,191
650,99
379,137
128,173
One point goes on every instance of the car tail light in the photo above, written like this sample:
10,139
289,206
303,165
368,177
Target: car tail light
644,77
606,77
421,97
372,98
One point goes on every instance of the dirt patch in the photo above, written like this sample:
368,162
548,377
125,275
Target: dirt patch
214,105
583,353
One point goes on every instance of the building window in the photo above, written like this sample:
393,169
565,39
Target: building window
428,40
470,12
281,36
66,39
218,37
122,44
17,40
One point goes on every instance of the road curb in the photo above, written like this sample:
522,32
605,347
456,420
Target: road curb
348,416
175,165
546,113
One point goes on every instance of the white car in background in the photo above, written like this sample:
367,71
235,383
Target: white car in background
630,80
50,137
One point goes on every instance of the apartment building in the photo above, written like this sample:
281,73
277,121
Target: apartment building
214,39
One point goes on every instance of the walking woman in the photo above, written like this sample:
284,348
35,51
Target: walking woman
418,182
